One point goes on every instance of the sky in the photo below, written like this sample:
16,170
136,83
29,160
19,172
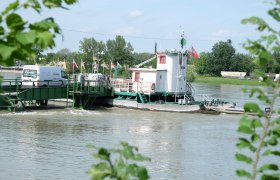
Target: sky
144,22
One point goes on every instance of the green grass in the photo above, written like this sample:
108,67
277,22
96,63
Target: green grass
221,80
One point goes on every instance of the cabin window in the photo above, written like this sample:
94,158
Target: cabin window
137,76
162,59
30,73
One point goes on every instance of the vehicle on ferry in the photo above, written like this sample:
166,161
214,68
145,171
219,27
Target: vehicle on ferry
36,75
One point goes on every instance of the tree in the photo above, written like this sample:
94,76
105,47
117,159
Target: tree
90,49
18,36
201,64
120,51
140,57
63,54
261,134
220,58
242,62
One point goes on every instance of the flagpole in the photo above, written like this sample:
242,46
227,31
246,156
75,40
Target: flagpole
110,69
81,68
73,65
103,66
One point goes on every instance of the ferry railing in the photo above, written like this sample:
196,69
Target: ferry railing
138,87
11,85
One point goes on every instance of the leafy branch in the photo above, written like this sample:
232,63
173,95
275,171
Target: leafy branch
18,37
262,133
118,163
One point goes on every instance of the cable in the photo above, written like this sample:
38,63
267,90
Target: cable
138,37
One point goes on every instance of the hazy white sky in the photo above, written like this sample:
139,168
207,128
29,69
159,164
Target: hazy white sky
144,22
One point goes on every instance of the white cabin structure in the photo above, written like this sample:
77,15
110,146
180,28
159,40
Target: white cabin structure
143,80
168,77
171,72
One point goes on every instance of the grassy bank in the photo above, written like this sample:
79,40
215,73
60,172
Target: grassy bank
233,81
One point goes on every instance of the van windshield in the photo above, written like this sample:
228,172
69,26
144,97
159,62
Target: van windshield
64,75
30,73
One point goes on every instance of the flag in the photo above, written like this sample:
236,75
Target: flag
64,64
94,58
75,64
193,53
104,65
113,66
96,66
119,66
82,64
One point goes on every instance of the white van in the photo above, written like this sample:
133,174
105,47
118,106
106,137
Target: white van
35,75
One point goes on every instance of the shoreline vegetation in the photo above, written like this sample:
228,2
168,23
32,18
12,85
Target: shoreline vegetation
231,81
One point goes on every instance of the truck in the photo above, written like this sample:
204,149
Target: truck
43,76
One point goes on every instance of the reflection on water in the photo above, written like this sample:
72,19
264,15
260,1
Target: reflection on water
48,144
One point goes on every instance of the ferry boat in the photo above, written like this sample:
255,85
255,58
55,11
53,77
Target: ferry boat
163,88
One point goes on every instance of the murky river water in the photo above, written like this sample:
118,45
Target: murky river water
51,144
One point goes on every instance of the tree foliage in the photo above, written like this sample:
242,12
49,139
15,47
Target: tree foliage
120,51
118,163
262,133
220,58
18,36
223,57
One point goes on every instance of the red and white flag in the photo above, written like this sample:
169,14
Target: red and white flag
104,65
113,66
193,53
75,64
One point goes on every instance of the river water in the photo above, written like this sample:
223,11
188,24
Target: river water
51,144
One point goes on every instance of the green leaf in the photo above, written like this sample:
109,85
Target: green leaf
253,107
276,132
26,37
69,2
262,25
2,30
6,51
103,154
139,157
245,121
269,177
264,57
256,123
243,143
255,137
142,173
12,6
243,173
45,39
15,22
45,25
52,3
34,4
245,130
272,167
275,13
273,141
100,171
243,158
132,169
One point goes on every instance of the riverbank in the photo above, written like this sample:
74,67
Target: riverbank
232,81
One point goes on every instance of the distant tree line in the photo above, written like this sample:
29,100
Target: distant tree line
116,51
223,57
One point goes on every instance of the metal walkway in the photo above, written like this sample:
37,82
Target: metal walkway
14,97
